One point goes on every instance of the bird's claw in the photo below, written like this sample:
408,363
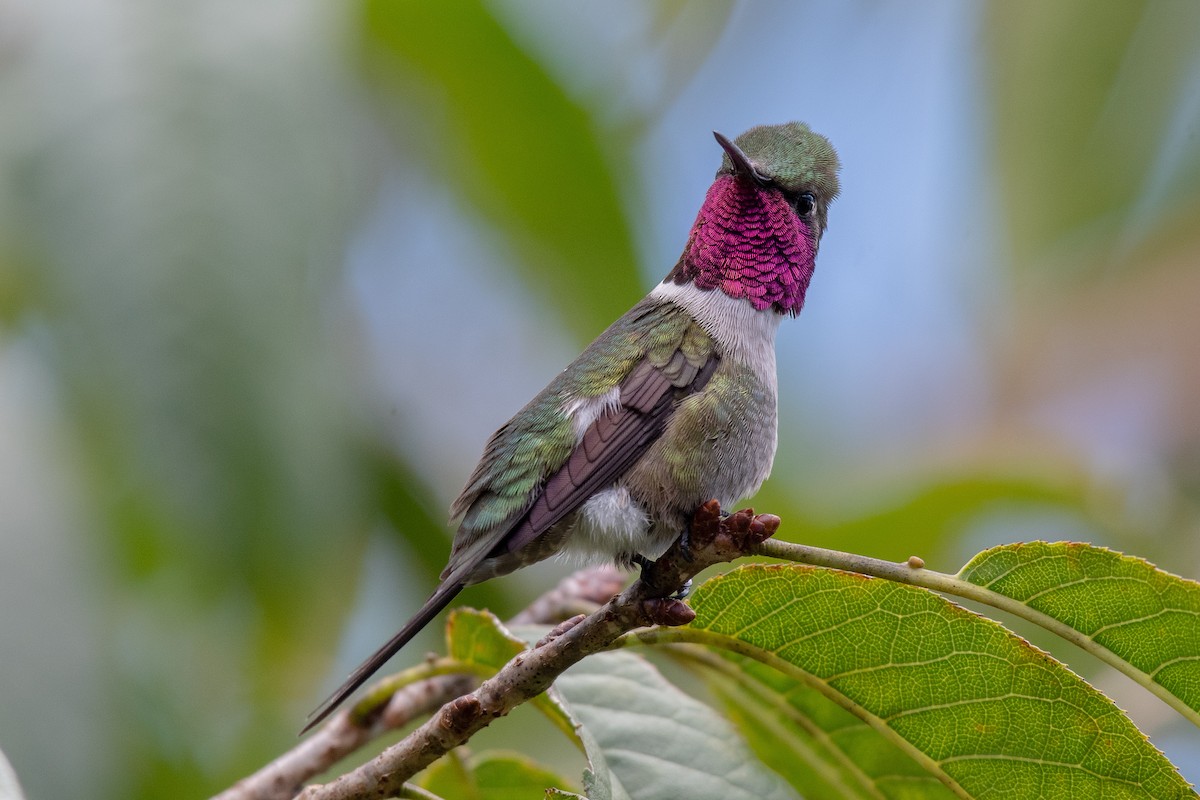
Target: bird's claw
644,564
685,545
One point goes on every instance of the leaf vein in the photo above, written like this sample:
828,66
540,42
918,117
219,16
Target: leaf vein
1085,579
1043,762
1146,618
968,701
893,664
1171,661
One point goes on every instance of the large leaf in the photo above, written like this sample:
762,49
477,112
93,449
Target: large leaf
1124,610
980,709
659,743
1144,621
823,750
599,780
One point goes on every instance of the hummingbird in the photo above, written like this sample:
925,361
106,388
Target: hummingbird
671,406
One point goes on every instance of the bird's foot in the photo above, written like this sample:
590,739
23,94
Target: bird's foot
685,544
646,565
713,535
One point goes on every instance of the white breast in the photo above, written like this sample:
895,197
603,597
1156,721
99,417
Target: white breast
744,333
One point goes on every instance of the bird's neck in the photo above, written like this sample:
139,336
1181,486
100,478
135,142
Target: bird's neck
742,332
749,243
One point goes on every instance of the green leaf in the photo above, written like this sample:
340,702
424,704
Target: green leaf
522,152
822,749
657,742
479,638
977,707
489,776
1140,619
598,779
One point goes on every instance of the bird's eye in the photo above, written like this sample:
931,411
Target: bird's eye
805,204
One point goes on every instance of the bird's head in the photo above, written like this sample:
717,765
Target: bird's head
757,234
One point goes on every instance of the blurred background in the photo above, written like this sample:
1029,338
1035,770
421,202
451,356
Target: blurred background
271,273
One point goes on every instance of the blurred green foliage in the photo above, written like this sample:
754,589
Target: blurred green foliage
1085,97
180,186
517,147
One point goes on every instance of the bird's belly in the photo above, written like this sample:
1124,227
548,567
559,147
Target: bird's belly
720,444
610,525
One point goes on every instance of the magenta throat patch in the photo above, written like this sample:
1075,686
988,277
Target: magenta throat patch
748,242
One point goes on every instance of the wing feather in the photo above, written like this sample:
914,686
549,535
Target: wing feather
610,446
535,471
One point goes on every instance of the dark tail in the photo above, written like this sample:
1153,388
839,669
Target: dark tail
436,602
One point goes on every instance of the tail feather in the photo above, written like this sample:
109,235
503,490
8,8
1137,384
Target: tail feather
436,602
